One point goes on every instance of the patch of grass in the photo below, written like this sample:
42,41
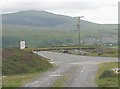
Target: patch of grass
105,77
108,82
62,80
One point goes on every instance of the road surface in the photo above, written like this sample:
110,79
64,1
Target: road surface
79,71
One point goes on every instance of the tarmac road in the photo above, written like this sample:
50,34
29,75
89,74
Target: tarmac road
80,70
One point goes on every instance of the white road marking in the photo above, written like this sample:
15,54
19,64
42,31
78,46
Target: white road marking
75,63
75,79
52,62
81,71
55,75
36,82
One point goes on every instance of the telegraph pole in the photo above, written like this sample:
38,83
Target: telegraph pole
78,26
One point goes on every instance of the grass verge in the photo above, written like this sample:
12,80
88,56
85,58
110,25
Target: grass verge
105,77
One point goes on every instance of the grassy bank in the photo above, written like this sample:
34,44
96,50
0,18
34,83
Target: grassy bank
19,66
105,77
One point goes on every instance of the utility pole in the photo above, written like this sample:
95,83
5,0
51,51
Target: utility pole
78,26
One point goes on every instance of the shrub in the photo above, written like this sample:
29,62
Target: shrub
107,73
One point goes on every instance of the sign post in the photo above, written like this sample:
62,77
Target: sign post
22,44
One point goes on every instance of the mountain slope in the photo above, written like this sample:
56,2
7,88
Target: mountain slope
34,18
39,18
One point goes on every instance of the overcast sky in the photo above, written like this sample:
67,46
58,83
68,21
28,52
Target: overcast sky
98,11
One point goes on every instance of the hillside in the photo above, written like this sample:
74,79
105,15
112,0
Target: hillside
16,61
45,19
39,18
41,28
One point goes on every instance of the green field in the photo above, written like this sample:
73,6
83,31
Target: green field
36,36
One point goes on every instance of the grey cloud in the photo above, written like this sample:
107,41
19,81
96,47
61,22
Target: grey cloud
50,6
77,5
22,6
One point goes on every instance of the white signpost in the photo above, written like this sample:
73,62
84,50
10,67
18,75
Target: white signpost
22,44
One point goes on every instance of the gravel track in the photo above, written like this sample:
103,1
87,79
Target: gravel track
84,75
